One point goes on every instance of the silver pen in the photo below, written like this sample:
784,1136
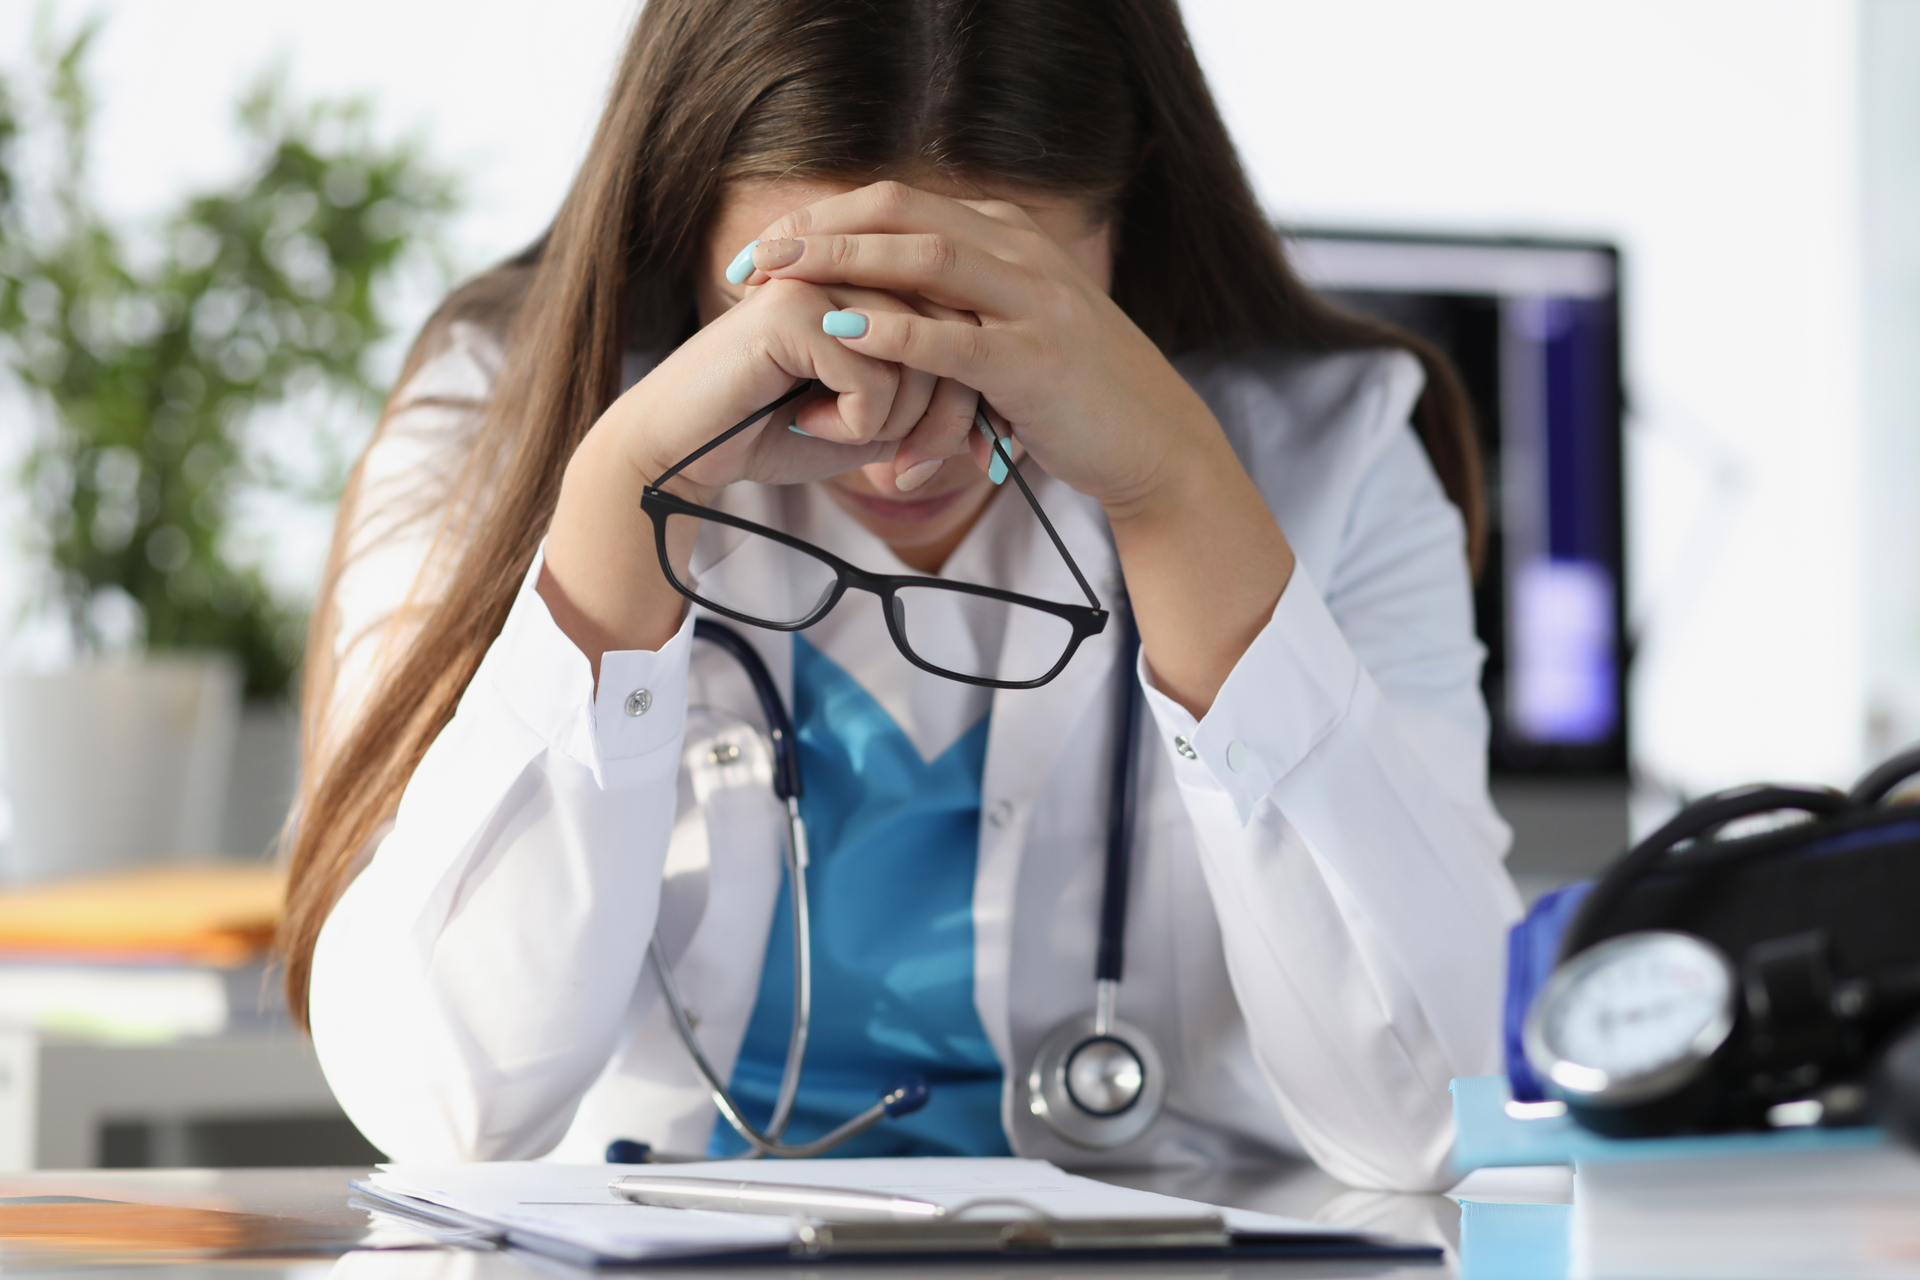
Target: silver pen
732,1195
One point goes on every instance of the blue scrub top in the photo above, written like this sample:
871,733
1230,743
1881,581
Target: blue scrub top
893,841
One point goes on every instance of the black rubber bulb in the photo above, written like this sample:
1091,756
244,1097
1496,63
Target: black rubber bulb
1896,1086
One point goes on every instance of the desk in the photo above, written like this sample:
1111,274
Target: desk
310,1205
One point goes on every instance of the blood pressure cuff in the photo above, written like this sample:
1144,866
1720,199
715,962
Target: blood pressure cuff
1816,917
1533,946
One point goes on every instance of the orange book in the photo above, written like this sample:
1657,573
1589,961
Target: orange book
200,913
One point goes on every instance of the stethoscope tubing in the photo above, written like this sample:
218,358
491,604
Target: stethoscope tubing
787,786
1110,960
906,1095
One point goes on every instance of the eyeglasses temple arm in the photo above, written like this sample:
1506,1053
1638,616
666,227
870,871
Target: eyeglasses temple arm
732,431
1000,448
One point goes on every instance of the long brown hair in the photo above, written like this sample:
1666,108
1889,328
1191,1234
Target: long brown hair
1085,97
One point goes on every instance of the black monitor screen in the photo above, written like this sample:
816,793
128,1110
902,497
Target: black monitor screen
1534,329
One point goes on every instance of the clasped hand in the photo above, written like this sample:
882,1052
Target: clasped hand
956,302
963,302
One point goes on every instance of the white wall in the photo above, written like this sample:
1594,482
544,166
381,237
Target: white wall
1890,187
1715,140
507,92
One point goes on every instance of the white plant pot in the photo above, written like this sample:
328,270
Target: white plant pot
110,764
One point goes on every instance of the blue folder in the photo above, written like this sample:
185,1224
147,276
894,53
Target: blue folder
1501,1241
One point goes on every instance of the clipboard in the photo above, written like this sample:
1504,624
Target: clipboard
1084,1240
1087,1239
575,1230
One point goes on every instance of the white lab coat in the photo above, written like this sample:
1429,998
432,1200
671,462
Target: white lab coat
1314,937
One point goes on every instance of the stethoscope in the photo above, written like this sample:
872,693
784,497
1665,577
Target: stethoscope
1097,1081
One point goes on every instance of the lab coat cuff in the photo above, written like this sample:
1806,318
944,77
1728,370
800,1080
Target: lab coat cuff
1289,689
640,709
625,732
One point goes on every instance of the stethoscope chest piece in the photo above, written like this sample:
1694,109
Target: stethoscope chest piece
1097,1087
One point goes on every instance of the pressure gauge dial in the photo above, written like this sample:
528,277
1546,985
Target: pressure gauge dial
1632,1019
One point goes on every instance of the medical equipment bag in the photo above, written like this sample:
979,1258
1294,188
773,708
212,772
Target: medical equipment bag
1806,899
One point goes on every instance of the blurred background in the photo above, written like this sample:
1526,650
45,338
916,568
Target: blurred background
1674,246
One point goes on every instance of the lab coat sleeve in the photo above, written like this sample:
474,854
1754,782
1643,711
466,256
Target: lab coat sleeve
1337,791
467,987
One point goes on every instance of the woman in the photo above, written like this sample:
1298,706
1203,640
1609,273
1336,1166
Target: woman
522,767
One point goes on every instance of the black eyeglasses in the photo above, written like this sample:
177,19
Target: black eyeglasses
953,629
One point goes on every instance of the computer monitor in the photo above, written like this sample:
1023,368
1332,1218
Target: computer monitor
1534,328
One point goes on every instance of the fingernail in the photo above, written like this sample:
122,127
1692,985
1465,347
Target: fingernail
844,324
794,427
775,254
742,265
916,475
996,466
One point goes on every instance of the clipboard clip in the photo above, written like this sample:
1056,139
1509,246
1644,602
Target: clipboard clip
1037,1232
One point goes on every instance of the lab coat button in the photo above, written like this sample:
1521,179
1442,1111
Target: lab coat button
998,815
639,701
1237,756
1184,747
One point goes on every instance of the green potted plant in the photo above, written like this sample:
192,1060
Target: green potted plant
147,359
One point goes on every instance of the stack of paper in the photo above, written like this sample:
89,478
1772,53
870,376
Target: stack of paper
569,1211
1789,1204
1796,1215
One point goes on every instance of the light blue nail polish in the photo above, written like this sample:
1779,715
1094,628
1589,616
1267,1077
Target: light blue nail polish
795,428
996,466
742,265
844,324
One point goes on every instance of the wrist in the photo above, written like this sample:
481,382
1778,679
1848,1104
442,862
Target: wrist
1193,460
626,446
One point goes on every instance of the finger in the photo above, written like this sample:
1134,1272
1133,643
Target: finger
940,434
969,353
944,270
786,457
787,318
896,207
915,388
862,390
942,431
982,448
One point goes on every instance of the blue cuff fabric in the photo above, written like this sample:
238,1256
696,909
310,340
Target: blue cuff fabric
1533,946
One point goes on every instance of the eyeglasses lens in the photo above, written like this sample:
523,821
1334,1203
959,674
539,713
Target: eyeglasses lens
967,634
763,580
753,576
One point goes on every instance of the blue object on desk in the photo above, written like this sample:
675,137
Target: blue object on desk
1533,946
1486,1136
1501,1241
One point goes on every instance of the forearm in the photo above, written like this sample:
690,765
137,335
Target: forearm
603,581
1205,563
1362,925
1359,889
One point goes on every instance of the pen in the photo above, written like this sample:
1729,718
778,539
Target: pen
729,1195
